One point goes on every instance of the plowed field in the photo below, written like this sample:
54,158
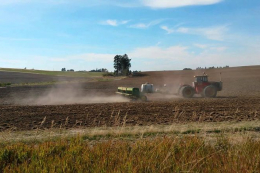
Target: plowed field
94,104
119,114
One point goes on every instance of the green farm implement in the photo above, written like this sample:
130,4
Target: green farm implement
132,93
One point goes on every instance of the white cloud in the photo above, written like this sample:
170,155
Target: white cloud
220,49
201,46
86,3
211,47
114,22
179,57
146,25
140,25
92,57
213,33
59,59
173,57
124,21
222,58
4,60
167,29
15,39
177,3
158,43
4,2
155,52
85,61
146,58
183,30
10,2
120,3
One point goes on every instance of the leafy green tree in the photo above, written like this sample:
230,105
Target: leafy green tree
117,64
126,64
122,64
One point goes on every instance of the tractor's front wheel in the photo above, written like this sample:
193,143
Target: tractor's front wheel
187,91
209,91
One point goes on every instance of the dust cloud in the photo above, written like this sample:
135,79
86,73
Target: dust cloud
74,94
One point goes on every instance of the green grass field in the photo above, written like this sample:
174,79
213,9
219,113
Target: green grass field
55,73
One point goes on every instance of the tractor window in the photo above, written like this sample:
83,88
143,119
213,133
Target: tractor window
205,79
201,79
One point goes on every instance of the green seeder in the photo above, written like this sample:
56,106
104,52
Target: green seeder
133,93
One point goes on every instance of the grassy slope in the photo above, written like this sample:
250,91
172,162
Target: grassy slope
55,73
157,154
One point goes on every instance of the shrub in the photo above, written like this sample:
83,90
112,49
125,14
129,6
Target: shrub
4,84
108,74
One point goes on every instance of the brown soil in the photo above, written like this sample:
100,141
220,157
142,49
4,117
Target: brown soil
238,101
114,114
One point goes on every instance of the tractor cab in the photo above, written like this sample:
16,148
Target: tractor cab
200,83
201,78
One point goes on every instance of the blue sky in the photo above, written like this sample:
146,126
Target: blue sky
156,34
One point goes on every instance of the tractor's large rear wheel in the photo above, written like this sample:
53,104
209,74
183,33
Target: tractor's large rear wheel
209,91
187,91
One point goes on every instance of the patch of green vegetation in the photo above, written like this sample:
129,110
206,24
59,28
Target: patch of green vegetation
126,135
48,83
237,129
108,74
54,82
214,131
36,83
5,84
191,131
55,73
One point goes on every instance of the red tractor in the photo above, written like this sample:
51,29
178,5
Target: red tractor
201,86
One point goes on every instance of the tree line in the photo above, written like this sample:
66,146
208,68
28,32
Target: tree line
122,65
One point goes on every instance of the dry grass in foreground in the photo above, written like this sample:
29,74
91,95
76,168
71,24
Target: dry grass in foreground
192,147
236,131
161,154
